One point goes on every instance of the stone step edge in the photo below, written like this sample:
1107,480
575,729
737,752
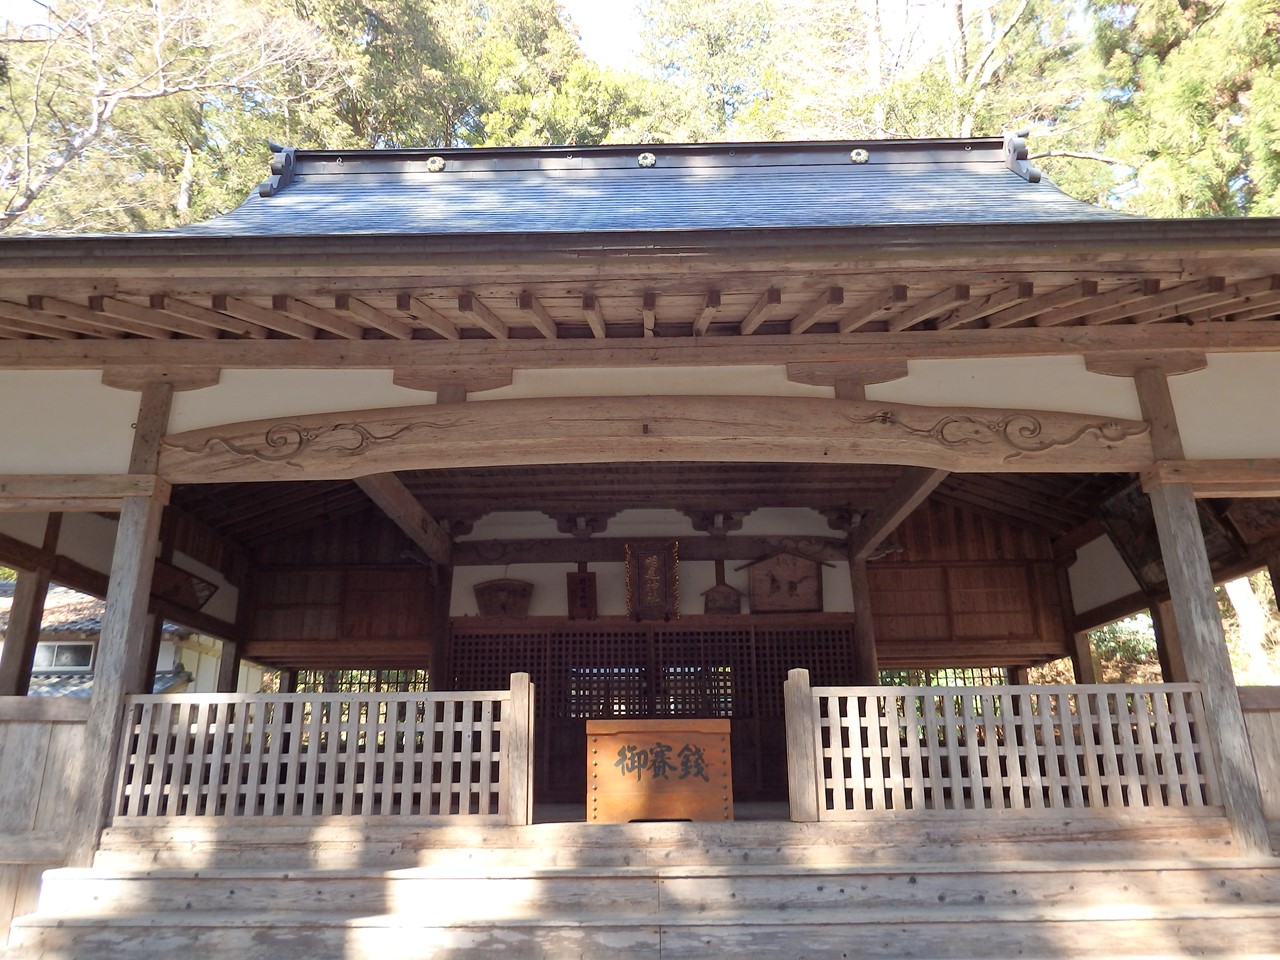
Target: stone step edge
926,914
657,871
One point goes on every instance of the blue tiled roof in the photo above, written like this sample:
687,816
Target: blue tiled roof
81,684
606,189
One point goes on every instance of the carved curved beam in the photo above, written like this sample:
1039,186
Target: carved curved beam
623,429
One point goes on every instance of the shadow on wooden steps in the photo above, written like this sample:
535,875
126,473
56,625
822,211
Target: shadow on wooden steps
355,890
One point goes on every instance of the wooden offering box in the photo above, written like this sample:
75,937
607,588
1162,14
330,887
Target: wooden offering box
677,769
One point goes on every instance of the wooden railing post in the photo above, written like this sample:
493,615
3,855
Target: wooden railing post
802,761
518,751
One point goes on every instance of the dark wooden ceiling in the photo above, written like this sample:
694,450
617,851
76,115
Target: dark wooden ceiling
257,513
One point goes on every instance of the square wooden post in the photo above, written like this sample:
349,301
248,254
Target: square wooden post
24,630
26,616
121,649
802,759
1084,659
518,751
122,645
440,663
1204,649
1173,669
866,663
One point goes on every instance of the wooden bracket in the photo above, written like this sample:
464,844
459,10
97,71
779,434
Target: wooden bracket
582,525
1172,363
454,389
829,374
132,377
716,523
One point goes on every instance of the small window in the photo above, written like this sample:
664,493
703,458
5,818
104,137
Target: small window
63,657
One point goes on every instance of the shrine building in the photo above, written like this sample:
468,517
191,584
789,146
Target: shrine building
684,522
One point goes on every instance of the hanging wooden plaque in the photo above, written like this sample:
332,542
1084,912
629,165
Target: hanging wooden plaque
582,595
722,598
504,598
653,580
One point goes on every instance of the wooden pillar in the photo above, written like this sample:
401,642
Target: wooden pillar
1196,619
1084,659
1019,676
122,643
288,680
518,733
229,666
1204,649
865,662
440,667
1173,668
802,756
145,680
229,656
25,618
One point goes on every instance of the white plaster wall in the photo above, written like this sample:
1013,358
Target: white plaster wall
27,527
550,597
64,421
200,656
1099,575
89,539
262,394
68,422
1035,383
1231,408
550,592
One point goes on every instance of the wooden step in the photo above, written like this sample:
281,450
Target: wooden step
940,932
439,897
350,888
341,843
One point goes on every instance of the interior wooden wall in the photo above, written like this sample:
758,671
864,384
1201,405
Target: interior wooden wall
967,590
320,617
964,590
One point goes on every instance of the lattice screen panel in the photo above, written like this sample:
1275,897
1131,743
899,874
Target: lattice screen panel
730,667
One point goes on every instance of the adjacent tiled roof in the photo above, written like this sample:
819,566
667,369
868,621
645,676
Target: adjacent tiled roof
550,190
81,684
66,611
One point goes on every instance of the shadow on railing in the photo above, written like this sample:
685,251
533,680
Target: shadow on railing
453,754
857,752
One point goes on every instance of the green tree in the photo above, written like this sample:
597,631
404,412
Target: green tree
1186,106
88,90
717,58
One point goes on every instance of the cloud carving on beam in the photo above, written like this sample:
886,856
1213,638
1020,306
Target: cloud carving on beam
1022,433
742,429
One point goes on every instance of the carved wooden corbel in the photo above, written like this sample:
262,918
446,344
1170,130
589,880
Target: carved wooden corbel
450,388
133,377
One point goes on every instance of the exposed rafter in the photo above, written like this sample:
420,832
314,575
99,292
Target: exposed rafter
761,311
395,500
482,316
911,490
537,315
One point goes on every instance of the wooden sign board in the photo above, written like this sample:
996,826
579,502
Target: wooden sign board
675,769
653,580
581,595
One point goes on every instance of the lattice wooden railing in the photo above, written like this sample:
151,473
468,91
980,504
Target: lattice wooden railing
291,755
856,752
